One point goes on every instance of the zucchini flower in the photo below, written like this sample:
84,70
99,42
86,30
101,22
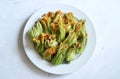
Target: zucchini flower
60,33
71,38
60,56
45,28
82,40
79,26
38,46
70,54
36,30
51,41
49,53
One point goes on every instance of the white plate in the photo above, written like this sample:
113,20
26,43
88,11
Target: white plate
63,68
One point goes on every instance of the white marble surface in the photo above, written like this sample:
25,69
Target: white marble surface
105,62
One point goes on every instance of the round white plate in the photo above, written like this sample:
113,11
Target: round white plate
63,68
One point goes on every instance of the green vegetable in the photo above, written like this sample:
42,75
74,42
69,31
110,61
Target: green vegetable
50,43
40,49
69,16
59,57
36,30
70,55
82,42
80,25
60,33
45,28
38,46
71,39
56,17
49,53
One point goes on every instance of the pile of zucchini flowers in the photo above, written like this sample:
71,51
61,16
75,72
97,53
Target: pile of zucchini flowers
58,37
